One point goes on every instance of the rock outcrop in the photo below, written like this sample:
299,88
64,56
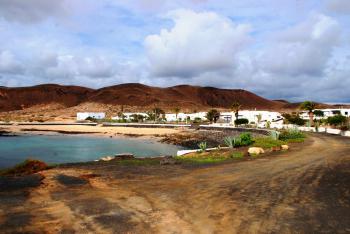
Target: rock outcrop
255,151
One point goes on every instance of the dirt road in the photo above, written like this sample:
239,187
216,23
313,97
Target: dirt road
304,190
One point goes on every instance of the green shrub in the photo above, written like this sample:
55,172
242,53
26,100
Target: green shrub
275,135
237,142
202,146
268,124
197,120
233,142
237,155
318,113
336,120
137,118
297,140
246,139
91,119
267,142
208,160
294,119
29,166
241,121
291,134
229,142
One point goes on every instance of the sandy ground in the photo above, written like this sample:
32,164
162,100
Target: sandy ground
304,190
97,130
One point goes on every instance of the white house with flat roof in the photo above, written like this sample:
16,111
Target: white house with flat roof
327,113
252,116
171,117
96,115
225,117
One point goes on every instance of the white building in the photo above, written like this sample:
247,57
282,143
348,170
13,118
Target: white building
95,115
252,116
327,113
227,117
128,115
171,117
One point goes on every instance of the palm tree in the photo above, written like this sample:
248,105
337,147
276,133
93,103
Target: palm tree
259,117
310,107
318,113
236,107
213,115
177,111
158,113
121,115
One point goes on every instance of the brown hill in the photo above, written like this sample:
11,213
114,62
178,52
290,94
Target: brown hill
281,101
296,106
137,96
22,98
183,96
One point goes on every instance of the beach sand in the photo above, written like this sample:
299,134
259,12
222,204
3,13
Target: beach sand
93,130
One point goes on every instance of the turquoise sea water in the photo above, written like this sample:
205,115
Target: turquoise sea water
64,149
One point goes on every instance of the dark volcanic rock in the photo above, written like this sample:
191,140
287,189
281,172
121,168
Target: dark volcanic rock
70,180
124,156
168,160
22,182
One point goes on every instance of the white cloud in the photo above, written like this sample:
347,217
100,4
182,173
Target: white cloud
197,43
70,66
9,64
303,49
292,63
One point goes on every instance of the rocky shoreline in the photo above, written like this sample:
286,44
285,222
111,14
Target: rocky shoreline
192,138
7,134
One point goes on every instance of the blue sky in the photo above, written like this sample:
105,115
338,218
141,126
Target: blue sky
288,49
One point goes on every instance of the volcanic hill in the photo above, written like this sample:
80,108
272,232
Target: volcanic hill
138,96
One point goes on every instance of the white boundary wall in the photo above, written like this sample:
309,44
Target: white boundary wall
313,129
325,130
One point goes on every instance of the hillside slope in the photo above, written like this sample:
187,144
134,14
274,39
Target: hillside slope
183,96
133,96
22,98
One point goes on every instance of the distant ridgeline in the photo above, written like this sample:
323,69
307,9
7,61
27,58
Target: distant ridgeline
186,97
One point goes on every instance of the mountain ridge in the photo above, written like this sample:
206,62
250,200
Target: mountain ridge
185,97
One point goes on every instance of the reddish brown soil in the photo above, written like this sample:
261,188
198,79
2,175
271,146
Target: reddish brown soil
183,96
22,98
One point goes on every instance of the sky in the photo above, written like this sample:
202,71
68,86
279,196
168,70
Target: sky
281,49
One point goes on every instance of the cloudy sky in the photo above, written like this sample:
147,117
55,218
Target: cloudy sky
288,49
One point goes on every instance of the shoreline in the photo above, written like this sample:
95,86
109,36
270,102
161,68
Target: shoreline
149,139
152,135
97,131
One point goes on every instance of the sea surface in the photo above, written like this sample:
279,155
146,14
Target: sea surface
66,148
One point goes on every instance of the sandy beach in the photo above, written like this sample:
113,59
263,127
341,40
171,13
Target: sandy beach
93,130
